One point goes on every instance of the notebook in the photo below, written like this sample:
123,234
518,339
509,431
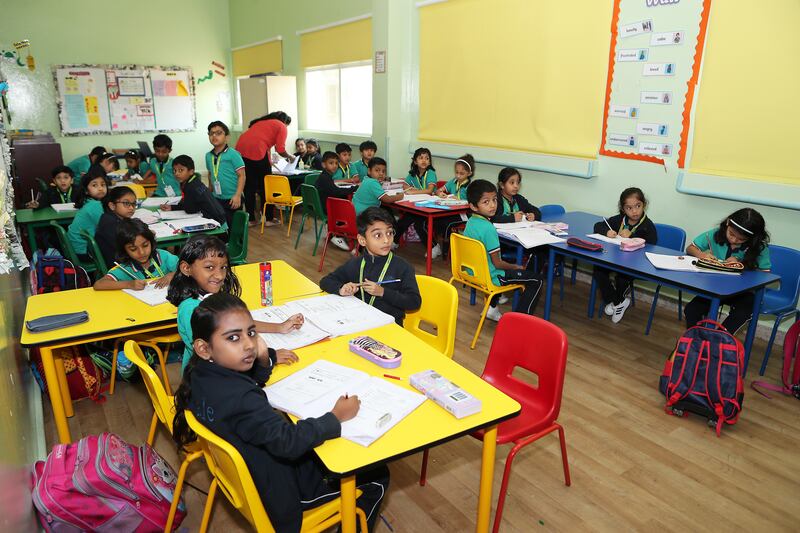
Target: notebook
681,263
611,240
146,216
149,295
162,230
529,237
175,215
60,208
156,201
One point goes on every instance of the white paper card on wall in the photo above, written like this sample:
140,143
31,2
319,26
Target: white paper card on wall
657,97
651,128
380,61
666,38
658,69
623,111
621,139
657,149
636,28
632,54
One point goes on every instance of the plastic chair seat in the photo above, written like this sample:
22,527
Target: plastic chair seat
774,302
278,192
535,420
341,223
781,302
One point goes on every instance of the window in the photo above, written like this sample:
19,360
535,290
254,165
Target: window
339,98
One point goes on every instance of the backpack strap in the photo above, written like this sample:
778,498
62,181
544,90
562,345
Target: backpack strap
680,389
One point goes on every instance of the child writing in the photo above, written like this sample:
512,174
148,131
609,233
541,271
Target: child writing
482,198
202,270
630,221
742,237
328,189
378,277
80,165
345,172
138,260
370,193
90,208
118,205
161,168
136,167
222,388
225,170
312,158
109,162
514,206
196,196
367,149
421,179
61,191
464,169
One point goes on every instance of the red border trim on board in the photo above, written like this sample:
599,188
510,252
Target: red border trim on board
692,83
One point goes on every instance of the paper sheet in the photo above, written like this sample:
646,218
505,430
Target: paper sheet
146,216
162,230
194,221
149,295
155,201
418,197
175,215
340,315
60,208
597,236
681,263
297,338
530,237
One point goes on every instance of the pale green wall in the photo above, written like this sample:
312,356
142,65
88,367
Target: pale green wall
188,33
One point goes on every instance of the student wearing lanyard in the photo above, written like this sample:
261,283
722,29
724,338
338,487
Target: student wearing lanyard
196,198
464,170
161,168
378,277
62,191
225,170
345,173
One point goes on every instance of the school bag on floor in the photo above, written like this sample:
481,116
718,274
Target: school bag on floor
102,483
704,375
791,366
84,378
52,273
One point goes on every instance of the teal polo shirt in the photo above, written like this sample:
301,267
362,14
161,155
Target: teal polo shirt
343,173
185,310
86,218
368,194
480,229
705,241
360,168
164,178
459,191
165,261
424,181
80,165
223,168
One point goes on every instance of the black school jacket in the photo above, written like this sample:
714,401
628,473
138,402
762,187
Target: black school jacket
646,229
53,196
328,189
397,297
233,405
520,203
106,237
197,199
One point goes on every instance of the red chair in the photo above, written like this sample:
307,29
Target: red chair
341,223
440,184
544,355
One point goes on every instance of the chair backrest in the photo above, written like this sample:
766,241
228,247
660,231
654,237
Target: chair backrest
440,308
232,475
539,347
552,210
469,262
43,186
312,205
786,263
138,190
163,404
277,189
440,184
97,256
671,237
63,242
311,179
237,242
341,217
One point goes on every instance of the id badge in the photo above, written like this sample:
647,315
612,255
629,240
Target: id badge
169,190
463,216
217,188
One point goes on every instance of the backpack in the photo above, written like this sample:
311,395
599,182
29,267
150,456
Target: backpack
84,378
704,375
102,483
53,273
790,376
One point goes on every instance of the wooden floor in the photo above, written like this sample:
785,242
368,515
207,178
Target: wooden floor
633,467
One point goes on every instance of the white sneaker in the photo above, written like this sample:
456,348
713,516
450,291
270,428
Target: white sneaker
339,242
503,299
436,252
619,310
609,310
494,314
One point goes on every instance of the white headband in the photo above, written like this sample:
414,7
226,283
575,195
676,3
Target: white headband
463,161
731,221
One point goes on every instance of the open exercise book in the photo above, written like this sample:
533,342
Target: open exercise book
149,295
282,166
329,315
156,201
313,391
529,234
683,263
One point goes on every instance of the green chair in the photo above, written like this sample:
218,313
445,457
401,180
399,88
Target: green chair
312,207
67,250
237,244
311,179
95,254
43,186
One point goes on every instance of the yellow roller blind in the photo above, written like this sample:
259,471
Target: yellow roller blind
344,43
258,59
514,74
747,113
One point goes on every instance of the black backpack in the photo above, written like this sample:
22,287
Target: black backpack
53,273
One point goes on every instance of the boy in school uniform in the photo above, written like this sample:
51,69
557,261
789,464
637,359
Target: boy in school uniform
327,188
225,170
367,149
161,168
377,277
80,165
482,198
196,196
62,191
345,171
370,193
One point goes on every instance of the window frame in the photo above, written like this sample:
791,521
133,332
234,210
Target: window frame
338,67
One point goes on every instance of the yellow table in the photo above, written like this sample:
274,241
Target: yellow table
114,314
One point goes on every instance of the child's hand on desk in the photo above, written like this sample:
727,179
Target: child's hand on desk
286,357
372,288
163,281
348,289
707,255
165,207
346,408
137,284
731,259
611,233
33,204
530,217
441,194
625,233
293,322
518,216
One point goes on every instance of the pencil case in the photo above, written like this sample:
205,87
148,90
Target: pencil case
375,351
200,227
629,245
51,322
583,244
445,393
720,266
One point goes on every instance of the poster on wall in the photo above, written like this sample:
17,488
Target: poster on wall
173,99
654,64
130,100
83,103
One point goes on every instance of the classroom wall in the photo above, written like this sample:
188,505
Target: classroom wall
188,33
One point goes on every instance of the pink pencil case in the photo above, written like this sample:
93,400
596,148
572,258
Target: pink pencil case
629,245
375,351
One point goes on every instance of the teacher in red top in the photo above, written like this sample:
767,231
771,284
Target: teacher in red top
255,145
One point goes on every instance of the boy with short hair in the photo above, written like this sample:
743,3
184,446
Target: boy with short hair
345,173
482,198
161,168
196,196
327,188
378,277
367,149
61,191
370,193
225,170
80,165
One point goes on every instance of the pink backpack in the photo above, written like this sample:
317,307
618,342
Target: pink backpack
102,483
791,366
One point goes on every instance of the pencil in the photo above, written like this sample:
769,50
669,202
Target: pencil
607,224
125,270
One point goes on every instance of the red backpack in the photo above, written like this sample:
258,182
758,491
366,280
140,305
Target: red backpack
791,366
704,375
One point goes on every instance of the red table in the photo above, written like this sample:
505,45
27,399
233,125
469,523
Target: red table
429,213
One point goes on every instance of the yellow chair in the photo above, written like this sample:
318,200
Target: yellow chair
233,478
138,190
164,411
439,308
150,340
278,193
470,266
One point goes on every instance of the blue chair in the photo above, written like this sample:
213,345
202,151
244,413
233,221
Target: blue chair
552,210
781,302
674,238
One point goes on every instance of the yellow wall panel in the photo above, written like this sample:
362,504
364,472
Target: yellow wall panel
344,43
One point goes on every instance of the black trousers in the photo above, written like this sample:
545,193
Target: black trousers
613,292
741,310
254,185
229,211
533,289
420,225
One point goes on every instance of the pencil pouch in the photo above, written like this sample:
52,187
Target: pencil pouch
375,351
51,322
629,245
720,266
583,244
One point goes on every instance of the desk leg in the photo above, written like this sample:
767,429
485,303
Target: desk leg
487,479
713,311
751,329
64,386
51,378
548,295
429,246
348,487
515,299
31,231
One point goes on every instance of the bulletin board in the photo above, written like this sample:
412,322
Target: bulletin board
654,63
103,99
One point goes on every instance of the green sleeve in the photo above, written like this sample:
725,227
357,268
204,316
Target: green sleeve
185,310
169,262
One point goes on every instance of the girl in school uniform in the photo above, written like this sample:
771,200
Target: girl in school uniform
421,179
222,386
139,262
313,157
742,237
136,167
464,169
195,196
118,205
203,269
513,207
94,186
630,221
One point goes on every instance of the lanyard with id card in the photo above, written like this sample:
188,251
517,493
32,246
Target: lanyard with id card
160,176
216,159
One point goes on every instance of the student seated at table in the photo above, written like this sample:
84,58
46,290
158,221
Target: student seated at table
138,260
93,188
464,170
482,198
196,196
109,162
312,158
300,148
328,189
371,193
160,169
229,365
62,191
367,150
118,205
378,277
345,172
80,165
630,221
421,179
136,166
225,170
515,207
203,269
741,237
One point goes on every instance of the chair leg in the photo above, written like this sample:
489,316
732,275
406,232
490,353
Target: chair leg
289,225
212,491
317,235
592,296
574,275
263,216
652,311
769,345
176,495
300,232
501,498
151,435
561,284
423,472
680,306
480,322
64,386
472,293
162,363
563,441
324,249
